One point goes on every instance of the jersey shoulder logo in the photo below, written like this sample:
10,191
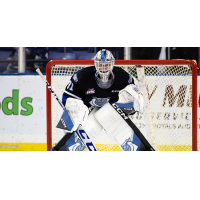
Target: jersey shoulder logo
90,91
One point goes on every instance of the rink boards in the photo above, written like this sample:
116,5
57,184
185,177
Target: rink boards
22,113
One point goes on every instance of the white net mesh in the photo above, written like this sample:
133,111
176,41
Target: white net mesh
169,97
167,118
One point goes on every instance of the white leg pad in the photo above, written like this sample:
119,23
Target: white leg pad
114,124
92,126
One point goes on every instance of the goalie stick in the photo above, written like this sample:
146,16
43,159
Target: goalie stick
80,131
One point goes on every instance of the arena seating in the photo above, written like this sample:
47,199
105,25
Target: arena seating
86,56
61,56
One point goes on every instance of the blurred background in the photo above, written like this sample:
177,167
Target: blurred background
27,59
23,93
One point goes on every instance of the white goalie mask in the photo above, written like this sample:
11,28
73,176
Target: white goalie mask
104,63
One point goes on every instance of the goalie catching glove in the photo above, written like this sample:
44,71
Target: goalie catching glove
75,113
130,99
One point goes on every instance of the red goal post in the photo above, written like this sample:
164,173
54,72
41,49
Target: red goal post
137,63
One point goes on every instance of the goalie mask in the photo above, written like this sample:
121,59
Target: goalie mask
104,63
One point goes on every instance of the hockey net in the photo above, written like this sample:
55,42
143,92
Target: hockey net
169,87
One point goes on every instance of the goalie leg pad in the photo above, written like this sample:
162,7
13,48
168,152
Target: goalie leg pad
117,129
74,144
92,126
129,145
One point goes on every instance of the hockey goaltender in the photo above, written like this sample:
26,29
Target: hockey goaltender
94,99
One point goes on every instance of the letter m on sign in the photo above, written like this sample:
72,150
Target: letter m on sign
169,93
